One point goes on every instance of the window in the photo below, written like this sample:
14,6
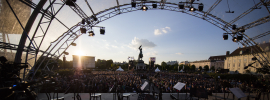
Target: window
233,60
239,65
245,60
233,65
239,60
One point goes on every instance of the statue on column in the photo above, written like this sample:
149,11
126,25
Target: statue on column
140,55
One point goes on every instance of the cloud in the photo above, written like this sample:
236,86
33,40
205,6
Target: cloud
114,46
179,53
136,42
162,30
152,53
157,32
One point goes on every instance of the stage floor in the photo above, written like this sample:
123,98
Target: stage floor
134,96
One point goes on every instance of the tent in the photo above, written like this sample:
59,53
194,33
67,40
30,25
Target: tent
157,70
119,69
181,71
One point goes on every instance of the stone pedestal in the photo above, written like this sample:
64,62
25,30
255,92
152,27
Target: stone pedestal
140,65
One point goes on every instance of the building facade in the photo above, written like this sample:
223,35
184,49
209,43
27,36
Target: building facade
83,62
241,57
216,61
184,63
172,62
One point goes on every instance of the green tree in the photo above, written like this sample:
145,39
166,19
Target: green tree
186,68
193,67
200,68
181,66
108,64
212,68
206,68
247,71
163,65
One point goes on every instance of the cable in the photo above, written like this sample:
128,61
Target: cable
228,5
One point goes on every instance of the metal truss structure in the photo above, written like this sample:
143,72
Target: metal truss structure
62,43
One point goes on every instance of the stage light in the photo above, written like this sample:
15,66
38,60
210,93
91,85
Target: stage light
133,4
192,9
233,26
83,30
66,53
254,58
234,39
242,30
102,30
94,17
181,5
154,5
91,33
144,8
200,7
83,21
225,36
239,37
73,44
88,22
70,3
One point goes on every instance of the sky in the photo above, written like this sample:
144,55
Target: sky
166,35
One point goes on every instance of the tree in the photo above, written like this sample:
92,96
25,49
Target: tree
212,68
163,65
206,68
200,68
186,68
181,66
108,64
247,71
192,67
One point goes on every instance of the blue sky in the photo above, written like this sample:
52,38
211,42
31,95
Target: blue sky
166,35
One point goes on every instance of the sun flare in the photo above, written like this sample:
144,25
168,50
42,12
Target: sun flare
79,53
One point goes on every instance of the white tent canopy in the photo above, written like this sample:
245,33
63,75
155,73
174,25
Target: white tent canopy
157,70
119,69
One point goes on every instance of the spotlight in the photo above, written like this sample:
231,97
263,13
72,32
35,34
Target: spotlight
133,4
181,5
83,21
200,7
102,30
242,30
83,30
91,33
94,17
254,58
225,36
192,9
70,3
154,5
66,53
144,8
234,39
73,44
88,22
233,26
239,37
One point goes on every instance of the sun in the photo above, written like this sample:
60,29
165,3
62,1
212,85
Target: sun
79,53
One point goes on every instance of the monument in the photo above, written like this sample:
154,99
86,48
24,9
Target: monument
140,65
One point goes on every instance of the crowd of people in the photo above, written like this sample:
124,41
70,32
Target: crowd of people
103,81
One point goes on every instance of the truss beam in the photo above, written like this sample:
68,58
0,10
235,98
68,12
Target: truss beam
212,7
245,13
